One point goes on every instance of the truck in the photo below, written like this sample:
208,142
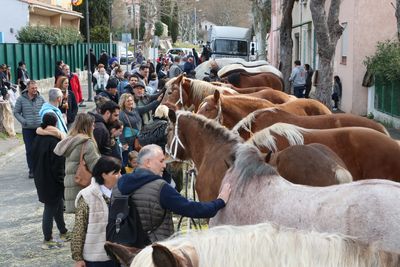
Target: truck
229,41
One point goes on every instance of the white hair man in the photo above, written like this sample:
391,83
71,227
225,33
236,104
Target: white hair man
155,199
55,99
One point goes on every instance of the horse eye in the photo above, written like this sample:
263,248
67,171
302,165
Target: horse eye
169,92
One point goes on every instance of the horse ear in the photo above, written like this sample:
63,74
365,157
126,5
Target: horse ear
123,254
163,257
172,115
216,95
179,78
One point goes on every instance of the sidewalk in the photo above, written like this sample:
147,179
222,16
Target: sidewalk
11,145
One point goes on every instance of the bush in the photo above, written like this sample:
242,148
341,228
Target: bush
386,61
49,35
100,34
159,29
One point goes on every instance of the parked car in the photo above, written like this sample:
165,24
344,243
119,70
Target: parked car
122,57
177,51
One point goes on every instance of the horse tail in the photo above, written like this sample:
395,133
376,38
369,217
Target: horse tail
342,175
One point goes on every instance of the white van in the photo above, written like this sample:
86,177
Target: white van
177,51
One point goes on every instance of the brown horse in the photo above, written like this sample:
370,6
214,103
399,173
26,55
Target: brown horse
211,147
260,119
368,154
294,163
243,80
229,110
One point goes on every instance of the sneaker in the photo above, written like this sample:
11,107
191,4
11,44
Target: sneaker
334,109
66,236
51,244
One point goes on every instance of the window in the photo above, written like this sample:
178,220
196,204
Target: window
230,47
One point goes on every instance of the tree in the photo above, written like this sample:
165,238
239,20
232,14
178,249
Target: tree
328,31
261,10
286,42
398,18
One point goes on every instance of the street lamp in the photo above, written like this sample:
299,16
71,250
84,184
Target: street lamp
89,66
195,22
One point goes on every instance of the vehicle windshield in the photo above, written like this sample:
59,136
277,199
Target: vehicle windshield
230,47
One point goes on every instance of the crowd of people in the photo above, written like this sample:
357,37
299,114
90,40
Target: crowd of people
109,141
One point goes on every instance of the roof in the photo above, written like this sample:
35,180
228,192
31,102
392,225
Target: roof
230,32
48,9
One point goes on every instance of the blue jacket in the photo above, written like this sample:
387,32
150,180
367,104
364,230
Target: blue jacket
170,199
47,107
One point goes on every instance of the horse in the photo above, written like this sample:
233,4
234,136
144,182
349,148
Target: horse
204,68
365,209
306,164
242,80
234,68
264,244
183,92
263,118
211,147
229,110
367,153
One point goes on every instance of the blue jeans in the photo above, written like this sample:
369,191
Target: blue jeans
53,211
29,136
298,91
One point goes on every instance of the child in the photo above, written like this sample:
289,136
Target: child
132,161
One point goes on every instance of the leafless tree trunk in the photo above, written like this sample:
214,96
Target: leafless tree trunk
261,10
328,31
398,18
286,42
150,20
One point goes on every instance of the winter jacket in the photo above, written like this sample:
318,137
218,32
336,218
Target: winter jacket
71,148
145,187
107,95
72,110
75,87
142,105
46,108
26,110
298,76
48,168
102,135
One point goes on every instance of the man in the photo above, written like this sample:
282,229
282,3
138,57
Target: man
188,67
132,81
111,90
155,199
93,61
74,84
22,76
175,70
26,111
308,84
103,59
142,99
55,99
298,79
109,112
143,73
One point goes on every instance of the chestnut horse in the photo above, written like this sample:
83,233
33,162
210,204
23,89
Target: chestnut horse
260,119
243,80
295,163
368,154
211,147
229,110
366,210
259,245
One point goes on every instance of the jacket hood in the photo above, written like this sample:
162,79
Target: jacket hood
51,130
47,107
128,183
67,145
97,117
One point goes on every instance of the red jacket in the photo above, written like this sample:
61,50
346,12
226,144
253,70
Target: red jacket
76,87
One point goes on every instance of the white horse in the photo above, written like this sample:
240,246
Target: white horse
260,245
366,209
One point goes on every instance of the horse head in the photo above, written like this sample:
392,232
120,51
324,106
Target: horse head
211,107
184,256
174,145
175,96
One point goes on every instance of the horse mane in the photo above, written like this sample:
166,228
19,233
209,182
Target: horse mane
213,126
268,244
265,138
198,89
246,121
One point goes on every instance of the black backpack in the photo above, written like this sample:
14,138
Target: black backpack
124,226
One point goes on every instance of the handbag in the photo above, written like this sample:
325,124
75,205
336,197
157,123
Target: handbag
136,144
82,176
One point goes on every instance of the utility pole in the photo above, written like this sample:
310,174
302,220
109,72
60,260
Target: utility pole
110,16
89,66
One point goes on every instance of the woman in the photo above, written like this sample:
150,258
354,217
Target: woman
69,106
91,218
130,116
80,133
49,174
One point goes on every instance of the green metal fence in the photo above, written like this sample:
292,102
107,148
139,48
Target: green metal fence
40,59
387,96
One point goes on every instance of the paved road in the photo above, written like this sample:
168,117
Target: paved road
20,220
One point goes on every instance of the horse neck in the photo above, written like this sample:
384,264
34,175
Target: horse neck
268,118
234,109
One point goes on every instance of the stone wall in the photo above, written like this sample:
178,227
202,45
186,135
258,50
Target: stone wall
44,85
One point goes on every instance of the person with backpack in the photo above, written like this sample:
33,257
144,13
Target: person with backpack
155,199
91,216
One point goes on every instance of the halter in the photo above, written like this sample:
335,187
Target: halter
219,117
176,141
180,100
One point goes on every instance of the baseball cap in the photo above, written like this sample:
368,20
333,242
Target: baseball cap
139,84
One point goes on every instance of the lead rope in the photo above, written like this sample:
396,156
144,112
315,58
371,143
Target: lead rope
176,141
180,100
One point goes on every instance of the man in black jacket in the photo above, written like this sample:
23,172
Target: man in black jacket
109,112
